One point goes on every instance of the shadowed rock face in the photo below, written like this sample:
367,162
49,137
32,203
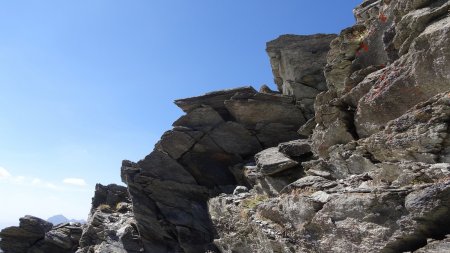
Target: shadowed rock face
110,195
194,162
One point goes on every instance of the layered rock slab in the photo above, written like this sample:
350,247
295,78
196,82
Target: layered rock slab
194,162
34,235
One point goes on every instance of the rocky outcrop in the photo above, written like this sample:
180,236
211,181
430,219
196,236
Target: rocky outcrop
379,177
351,155
34,235
201,157
235,175
421,134
111,226
397,55
358,214
297,65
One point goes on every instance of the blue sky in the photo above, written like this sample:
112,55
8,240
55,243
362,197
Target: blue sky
85,84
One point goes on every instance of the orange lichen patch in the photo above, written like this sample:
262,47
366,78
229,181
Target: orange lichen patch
382,17
363,47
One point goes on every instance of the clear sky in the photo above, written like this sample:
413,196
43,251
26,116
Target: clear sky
85,84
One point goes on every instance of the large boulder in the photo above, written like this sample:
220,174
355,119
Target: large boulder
271,161
297,65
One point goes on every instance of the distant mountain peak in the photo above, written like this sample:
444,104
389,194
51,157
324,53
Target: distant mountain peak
59,218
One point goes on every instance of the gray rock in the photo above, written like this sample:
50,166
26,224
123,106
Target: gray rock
160,165
35,235
320,173
233,138
422,41
380,181
212,99
175,143
111,226
22,238
114,231
339,59
200,118
297,65
359,84
313,182
198,159
271,161
240,189
110,195
307,129
295,148
299,58
324,138
436,246
265,108
321,196
62,238
355,79
271,134
350,159
211,168
418,135
334,124
403,174
272,185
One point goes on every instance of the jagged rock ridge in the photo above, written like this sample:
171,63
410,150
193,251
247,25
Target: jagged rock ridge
201,157
34,235
351,155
